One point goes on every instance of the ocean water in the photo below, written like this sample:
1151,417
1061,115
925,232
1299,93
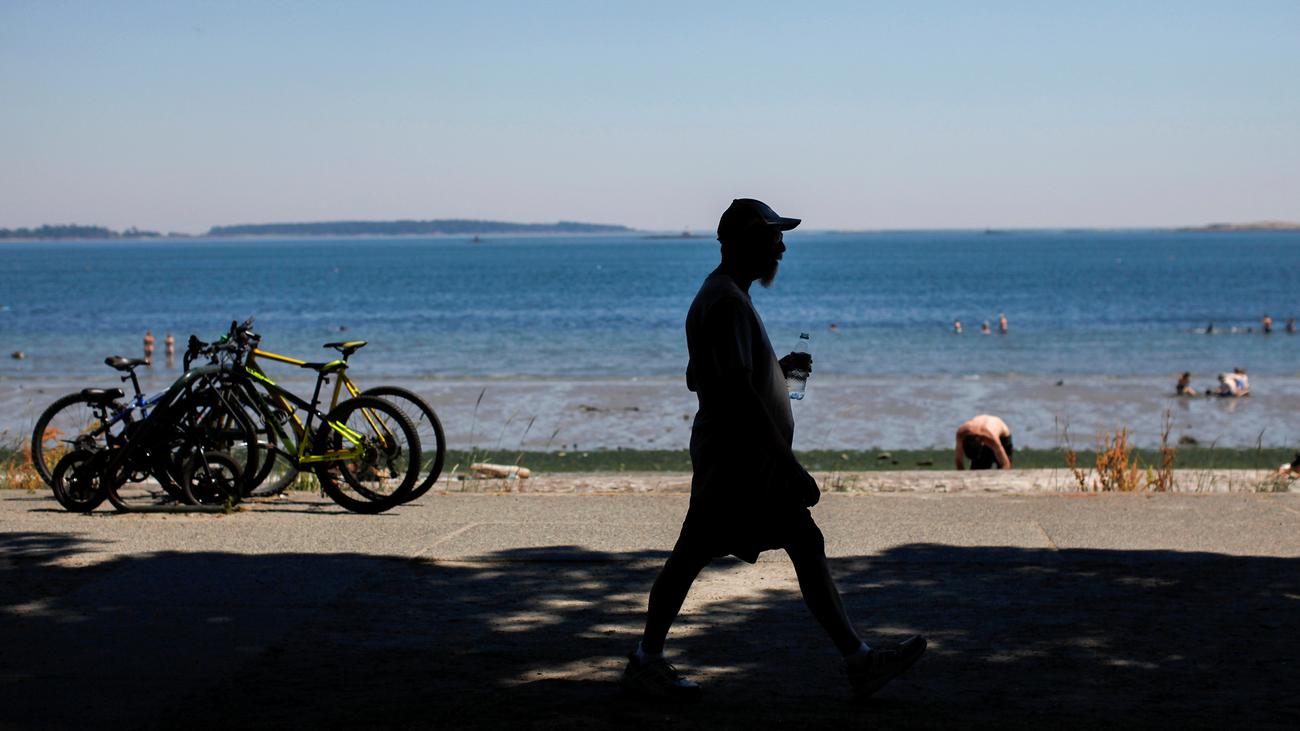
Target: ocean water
1099,303
1111,312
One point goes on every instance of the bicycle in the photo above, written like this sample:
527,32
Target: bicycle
190,428
89,419
433,442
82,420
365,450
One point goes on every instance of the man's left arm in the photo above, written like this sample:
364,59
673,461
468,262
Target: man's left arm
1004,461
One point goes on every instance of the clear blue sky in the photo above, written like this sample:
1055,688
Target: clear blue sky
180,115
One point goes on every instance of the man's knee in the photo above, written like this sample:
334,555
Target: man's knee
806,540
687,557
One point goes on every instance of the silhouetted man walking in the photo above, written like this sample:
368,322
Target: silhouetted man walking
748,492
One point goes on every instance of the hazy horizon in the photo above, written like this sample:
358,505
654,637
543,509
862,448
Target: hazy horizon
182,116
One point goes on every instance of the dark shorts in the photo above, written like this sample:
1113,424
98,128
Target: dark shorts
981,456
746,536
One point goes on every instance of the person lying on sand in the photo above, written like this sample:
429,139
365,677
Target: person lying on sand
986,441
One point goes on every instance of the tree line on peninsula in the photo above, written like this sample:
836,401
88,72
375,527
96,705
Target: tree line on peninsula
453,227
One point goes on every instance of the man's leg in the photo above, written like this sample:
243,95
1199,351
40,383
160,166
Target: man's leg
808,554
668,594
648,674
869,669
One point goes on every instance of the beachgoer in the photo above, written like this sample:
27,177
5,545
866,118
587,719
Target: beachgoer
1184,385
1267,322
169,346
835,328
1002,324
956,326
1290,470
148,347
1290,326
985,329
1233,384
1209,329
748,492
986,441
1242,381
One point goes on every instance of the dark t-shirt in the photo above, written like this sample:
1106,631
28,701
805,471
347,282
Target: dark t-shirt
726,339
741,500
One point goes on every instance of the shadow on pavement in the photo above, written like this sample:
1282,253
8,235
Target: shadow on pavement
535,638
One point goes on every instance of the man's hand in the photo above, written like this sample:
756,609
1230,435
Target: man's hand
796,362
805,487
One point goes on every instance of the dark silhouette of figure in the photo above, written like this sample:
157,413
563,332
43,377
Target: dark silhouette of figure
985,440
748,492
1290,326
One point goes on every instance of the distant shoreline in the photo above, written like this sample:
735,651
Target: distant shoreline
614,230
332,229
1256,226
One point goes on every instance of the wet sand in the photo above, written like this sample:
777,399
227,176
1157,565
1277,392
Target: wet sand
839,413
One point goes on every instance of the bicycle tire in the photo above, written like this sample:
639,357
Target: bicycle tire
433,443
171,445
376,461
75,481
204,485
44,456
224,427
271,454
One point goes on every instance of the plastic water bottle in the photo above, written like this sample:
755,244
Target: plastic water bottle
796,381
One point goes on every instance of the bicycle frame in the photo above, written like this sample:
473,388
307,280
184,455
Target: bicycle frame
160,416
290,404
344,381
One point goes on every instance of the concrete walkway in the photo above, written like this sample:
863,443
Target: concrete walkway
476,610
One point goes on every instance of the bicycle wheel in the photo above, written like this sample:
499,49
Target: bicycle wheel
433,444
212,478
214,422
76,481
67,424
387,462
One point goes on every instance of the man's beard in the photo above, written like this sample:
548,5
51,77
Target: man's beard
767,278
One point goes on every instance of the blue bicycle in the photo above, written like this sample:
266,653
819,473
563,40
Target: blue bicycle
85,419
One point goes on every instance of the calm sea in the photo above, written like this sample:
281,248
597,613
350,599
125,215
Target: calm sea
1079,303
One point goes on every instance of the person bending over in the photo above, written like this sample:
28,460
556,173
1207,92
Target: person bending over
986,441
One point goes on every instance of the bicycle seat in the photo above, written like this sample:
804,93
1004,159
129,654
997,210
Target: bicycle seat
330,367
124,364
101,395
346,347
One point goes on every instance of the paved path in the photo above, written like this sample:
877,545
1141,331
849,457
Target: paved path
467,610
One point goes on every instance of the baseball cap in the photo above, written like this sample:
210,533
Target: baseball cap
746,212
